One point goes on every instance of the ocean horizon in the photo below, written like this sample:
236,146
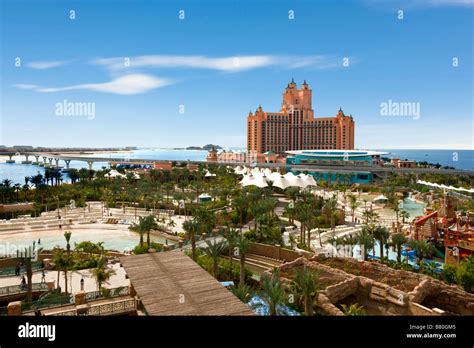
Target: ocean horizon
16,172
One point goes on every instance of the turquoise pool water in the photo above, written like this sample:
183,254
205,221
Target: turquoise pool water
412,207
119,240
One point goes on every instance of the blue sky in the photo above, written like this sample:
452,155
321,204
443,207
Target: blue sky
227,57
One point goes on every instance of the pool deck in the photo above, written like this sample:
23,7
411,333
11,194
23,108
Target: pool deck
74,278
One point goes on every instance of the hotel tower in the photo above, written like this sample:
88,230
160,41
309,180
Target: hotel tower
294,127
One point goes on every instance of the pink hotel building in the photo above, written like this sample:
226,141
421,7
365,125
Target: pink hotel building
294,127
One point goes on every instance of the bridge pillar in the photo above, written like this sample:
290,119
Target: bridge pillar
90,164
67,163
50,160
44,160
26,157
10,160
37,159
57,162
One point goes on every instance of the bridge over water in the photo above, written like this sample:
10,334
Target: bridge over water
48,159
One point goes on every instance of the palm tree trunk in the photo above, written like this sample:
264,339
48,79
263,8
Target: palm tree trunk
148,239
214,266
309,238
29,276
381,249
242,270
308,306
193,246
65,281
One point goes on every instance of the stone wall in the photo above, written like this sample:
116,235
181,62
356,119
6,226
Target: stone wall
274,252
429,297
438,295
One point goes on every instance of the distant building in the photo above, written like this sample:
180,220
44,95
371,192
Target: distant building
294,127
346,165
243,157
212,155
397,162
162,165
23,147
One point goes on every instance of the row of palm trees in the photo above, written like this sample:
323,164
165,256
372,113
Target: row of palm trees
64,261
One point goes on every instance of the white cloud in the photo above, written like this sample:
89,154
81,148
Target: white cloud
41,65
228,64
25,86
124,85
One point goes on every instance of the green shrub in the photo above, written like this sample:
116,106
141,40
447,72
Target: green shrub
449,273
465,274
143,250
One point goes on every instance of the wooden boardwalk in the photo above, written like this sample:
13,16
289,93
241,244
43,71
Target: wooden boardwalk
171,283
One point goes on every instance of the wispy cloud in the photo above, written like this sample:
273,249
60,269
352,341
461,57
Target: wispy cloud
42,65
25,86
227,64
124,85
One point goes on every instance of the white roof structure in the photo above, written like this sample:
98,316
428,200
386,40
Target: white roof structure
380,199
282,181
114,174
445,186
255,180
209,174
204,195
309,180
241,170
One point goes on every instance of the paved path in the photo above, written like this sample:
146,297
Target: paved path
90,284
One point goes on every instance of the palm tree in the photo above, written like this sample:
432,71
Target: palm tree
243,246
382,235
273,293
243,292
422,248
330,210
365,240
354,204
214,250
353,310
63,262
231,237
396,208
73,175
102,273
305,281
67,235
398,240
405,215
144,225
26,258
192,227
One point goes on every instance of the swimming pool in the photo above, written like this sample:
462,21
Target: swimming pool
120,239
412,207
